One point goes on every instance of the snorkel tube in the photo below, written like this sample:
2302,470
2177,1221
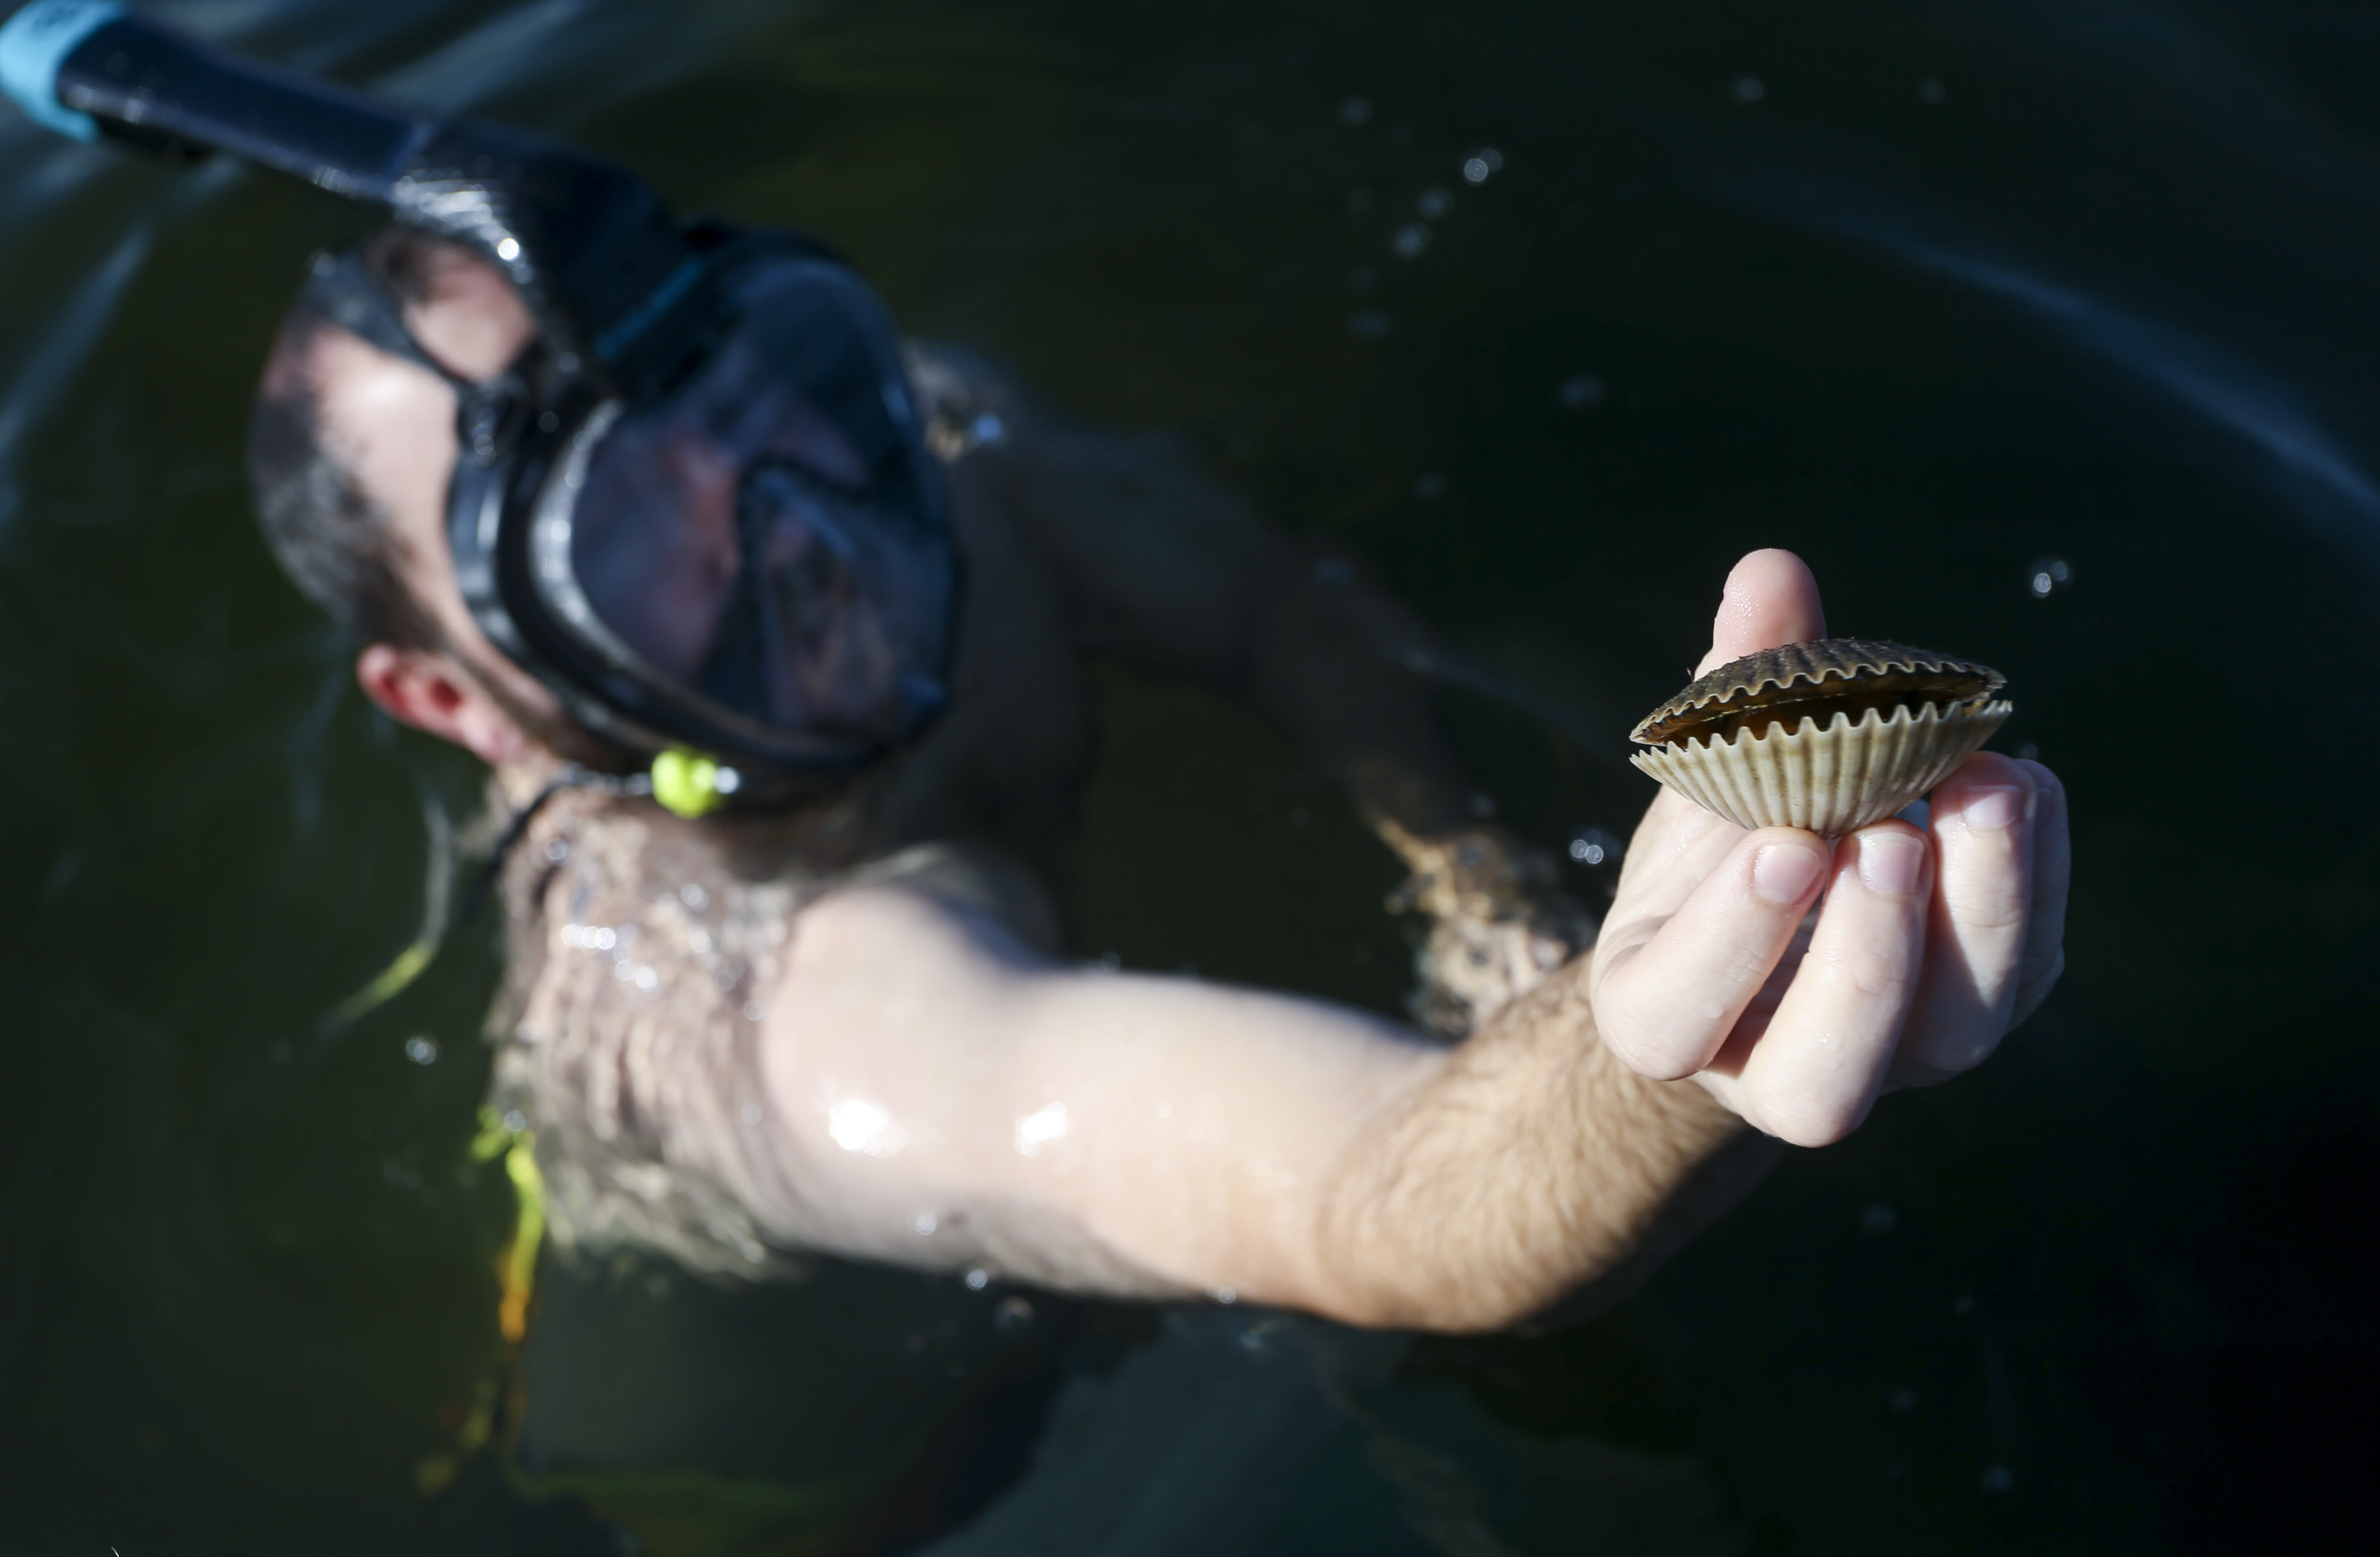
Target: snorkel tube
638,320
594,254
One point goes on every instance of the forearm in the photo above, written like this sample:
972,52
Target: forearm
1532,1164
1139,1136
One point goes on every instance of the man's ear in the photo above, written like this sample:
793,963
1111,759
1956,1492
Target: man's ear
431,691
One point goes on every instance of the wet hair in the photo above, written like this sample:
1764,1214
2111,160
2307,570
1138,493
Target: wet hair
332,540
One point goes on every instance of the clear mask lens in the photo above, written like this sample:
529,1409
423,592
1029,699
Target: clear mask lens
767,540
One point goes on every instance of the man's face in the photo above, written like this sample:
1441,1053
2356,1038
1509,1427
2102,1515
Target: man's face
672,502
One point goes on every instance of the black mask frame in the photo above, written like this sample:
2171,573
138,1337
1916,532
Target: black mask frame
627,303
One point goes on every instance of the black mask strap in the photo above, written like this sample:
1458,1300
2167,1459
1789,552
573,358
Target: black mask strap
351,296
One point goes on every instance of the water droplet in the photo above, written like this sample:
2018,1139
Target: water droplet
421,1050
1581,392
1433,204
1747,90
1410,240
1879,1219
1042,1127
1355,111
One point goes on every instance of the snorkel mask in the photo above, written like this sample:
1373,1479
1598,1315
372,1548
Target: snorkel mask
698,507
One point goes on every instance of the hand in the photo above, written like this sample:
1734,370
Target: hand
1929,948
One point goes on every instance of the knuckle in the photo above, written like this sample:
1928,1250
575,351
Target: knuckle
1882,978
1999,910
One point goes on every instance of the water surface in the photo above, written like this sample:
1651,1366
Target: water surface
2042,330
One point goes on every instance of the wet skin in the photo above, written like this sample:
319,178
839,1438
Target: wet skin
1131,1135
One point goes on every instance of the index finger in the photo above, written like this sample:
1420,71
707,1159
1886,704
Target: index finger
1665,1004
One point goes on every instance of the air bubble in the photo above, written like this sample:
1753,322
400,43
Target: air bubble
1483,165
1410,240
1355,111
1592,847
1581,392
421,1050
1747,90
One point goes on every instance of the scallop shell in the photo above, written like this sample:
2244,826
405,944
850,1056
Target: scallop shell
1829,735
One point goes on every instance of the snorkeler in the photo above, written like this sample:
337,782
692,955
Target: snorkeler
775,632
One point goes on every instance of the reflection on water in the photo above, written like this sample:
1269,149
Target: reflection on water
1542,314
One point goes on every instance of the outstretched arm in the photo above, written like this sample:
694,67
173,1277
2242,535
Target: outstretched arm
945,1097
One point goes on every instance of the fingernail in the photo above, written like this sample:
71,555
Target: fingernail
1890,863
1785,872
1989,809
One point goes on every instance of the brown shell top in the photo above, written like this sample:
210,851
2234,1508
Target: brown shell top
1782,684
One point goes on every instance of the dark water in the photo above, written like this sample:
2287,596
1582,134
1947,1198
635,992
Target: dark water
2042,329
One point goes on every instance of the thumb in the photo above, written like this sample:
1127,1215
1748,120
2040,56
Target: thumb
1771,599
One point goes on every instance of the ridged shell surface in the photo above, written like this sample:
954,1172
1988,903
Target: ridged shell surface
1832,779
1816,670
1829,735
